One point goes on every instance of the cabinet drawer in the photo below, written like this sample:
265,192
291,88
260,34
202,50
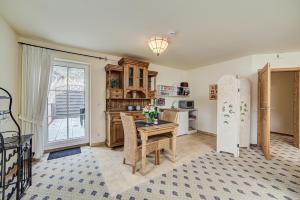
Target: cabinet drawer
138,116
117,118
116,93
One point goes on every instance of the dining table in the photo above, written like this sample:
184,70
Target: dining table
147,130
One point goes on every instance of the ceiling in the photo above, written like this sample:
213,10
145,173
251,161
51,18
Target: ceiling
207,31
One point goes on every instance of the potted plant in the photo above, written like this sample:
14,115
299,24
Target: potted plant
150,112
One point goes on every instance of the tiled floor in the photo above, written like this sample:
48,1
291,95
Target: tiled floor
199,173
74,177
118,177
221,176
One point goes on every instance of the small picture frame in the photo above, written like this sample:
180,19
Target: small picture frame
160,102
213,92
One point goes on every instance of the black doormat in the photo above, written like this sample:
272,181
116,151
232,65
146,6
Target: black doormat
63,153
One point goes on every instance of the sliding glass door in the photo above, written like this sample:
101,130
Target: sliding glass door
68,105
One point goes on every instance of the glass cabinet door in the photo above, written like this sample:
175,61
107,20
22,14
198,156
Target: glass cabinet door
141,77
130,76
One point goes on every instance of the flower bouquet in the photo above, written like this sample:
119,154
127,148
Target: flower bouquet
150,112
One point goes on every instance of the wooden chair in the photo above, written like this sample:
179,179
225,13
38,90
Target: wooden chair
132,148
170,116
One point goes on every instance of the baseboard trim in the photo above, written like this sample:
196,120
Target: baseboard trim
98,144
282,134
64,148
207,133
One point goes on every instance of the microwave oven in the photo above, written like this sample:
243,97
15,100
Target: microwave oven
186,104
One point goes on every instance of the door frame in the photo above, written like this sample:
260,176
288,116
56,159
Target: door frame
296,111
77,141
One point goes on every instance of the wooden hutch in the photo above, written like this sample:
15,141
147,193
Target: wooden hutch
129,83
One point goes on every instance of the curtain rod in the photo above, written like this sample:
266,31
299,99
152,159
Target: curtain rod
79,54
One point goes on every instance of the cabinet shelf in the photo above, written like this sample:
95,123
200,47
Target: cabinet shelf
172,91
4,97
4,112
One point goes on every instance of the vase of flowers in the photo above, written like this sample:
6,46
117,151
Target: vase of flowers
150,112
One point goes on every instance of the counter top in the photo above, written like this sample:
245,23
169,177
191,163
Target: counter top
177,109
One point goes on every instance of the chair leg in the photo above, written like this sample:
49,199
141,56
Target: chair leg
124,161
133,169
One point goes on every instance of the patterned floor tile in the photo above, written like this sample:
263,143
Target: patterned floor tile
222,176
71,177
210,176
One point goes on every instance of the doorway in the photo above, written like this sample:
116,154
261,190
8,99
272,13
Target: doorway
67,105
278,103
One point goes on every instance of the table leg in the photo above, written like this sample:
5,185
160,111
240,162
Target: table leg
144,146
157,157
174,145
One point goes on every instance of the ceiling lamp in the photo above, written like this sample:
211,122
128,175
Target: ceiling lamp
158,44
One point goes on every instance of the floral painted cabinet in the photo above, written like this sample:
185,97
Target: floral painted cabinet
245,106
233,114
228,117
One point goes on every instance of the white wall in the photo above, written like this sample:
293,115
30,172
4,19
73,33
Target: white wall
282,102
200,79
10,69
169,76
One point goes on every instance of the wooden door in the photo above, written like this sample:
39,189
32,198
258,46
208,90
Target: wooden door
264,78
296,109
129,76
142,78
117,134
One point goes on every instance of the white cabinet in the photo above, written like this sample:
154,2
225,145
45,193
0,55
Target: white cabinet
233,115
193,121
187,121
183,121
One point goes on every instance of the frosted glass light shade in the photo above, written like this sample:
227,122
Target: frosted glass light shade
158,44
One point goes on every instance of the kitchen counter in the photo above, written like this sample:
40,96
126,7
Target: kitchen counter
187,120
177,109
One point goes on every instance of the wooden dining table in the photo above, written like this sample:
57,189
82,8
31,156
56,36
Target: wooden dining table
145,130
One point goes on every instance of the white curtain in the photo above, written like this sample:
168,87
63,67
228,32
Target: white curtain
36,67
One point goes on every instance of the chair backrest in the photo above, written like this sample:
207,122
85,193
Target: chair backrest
130,138
170,116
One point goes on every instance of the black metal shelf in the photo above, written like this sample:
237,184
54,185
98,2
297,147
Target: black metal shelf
16,156
4,112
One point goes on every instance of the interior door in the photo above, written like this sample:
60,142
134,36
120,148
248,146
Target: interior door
296,109
264,110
